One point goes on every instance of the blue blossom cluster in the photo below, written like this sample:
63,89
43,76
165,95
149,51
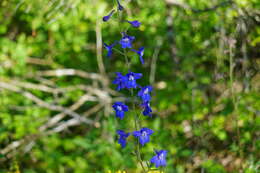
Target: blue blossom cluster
129,81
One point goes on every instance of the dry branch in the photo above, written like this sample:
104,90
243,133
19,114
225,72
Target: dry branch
44,104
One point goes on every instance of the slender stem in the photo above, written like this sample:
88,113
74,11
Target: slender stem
137,126
126,60
122,53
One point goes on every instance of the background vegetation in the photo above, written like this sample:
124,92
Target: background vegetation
202,57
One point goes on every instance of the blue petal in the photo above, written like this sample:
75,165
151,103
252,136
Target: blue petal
144,139
136,133
120,114
122,142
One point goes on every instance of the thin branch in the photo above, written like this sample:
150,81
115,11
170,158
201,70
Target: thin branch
51,122
33,86
99,48
44,104
69,72
54,120
154,61
38,61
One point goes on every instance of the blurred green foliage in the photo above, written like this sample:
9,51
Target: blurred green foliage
207,121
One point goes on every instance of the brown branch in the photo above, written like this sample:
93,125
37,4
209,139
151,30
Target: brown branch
33,86
53,121
154,60
41,103
64,125
69,72
99,48
38,61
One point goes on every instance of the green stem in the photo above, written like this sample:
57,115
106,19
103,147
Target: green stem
137,126
126,60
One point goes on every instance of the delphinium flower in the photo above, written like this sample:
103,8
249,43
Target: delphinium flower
109,49
144,93
120,81
131,79
134,23
120,7
140,52
128,81
122,137
147,109
160,158
143,135
106,18
126,41
120,109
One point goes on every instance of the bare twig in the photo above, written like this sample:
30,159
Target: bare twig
38,61
41,103
69,72
54,120
154,60
33,86
99,48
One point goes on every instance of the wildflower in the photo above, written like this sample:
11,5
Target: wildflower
120,109
143,135
140,52
131,79
106,18
159,158
134,23
147,109
126,41
144,93
122,137
120,7
109,49
120,81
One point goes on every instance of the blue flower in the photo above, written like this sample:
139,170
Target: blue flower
106,18
122,137
120,109
134,23
143,135
120,7
109,49
126,41
131,79
144,93
159,158
140,52
120,81
147,109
